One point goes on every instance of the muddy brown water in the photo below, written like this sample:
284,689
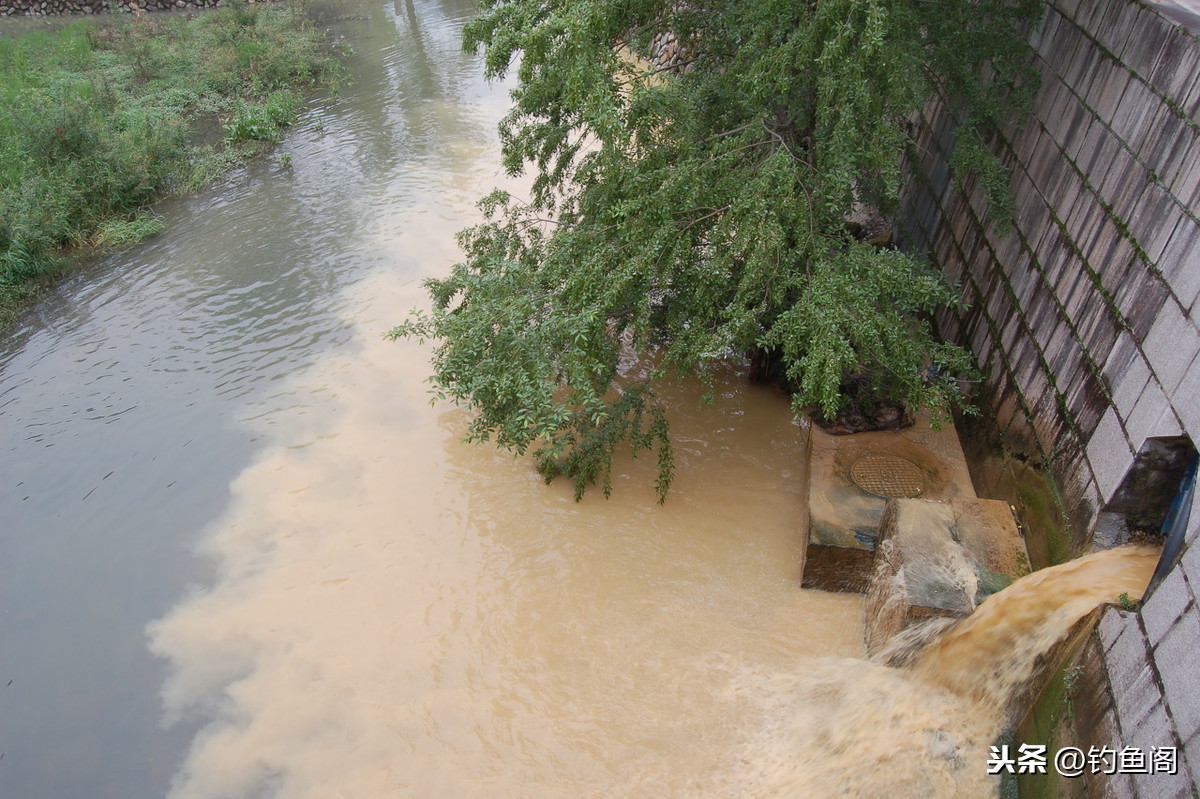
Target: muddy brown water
242,555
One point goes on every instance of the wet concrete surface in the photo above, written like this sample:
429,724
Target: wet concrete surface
1181,12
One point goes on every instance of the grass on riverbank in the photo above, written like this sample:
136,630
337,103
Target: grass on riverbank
97,121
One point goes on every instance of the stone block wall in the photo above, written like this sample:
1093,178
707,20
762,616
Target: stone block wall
9,8
1084,315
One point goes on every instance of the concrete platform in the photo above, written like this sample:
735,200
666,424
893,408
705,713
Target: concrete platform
851,479
895,515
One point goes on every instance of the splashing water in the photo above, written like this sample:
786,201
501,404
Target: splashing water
854,728
906,646
993,652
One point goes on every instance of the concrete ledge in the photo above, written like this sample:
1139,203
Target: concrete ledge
844,570
939,559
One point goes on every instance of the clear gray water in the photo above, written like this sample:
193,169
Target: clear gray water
226,504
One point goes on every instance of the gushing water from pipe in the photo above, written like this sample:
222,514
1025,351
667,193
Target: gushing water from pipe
854,728
993,652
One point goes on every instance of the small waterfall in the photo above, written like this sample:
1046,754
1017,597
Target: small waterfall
855,728
993,652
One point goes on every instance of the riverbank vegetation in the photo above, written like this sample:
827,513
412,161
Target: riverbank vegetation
97,121
695,167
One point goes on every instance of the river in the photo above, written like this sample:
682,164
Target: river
242,554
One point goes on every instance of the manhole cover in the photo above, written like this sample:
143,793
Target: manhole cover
888,476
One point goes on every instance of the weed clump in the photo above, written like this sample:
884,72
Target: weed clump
97,121
1127,604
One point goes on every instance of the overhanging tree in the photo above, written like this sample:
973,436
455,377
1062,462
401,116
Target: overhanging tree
698,213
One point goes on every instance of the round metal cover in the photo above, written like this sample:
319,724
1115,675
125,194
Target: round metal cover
888,476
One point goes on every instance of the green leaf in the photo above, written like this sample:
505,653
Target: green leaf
688,218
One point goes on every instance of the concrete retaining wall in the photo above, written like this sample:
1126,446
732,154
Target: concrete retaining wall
1084,314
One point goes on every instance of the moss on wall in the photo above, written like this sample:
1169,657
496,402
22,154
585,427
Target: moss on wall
1072,708
999,472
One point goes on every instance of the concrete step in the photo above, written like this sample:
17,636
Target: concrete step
939,559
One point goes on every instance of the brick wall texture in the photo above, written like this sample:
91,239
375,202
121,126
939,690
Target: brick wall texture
1083,314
